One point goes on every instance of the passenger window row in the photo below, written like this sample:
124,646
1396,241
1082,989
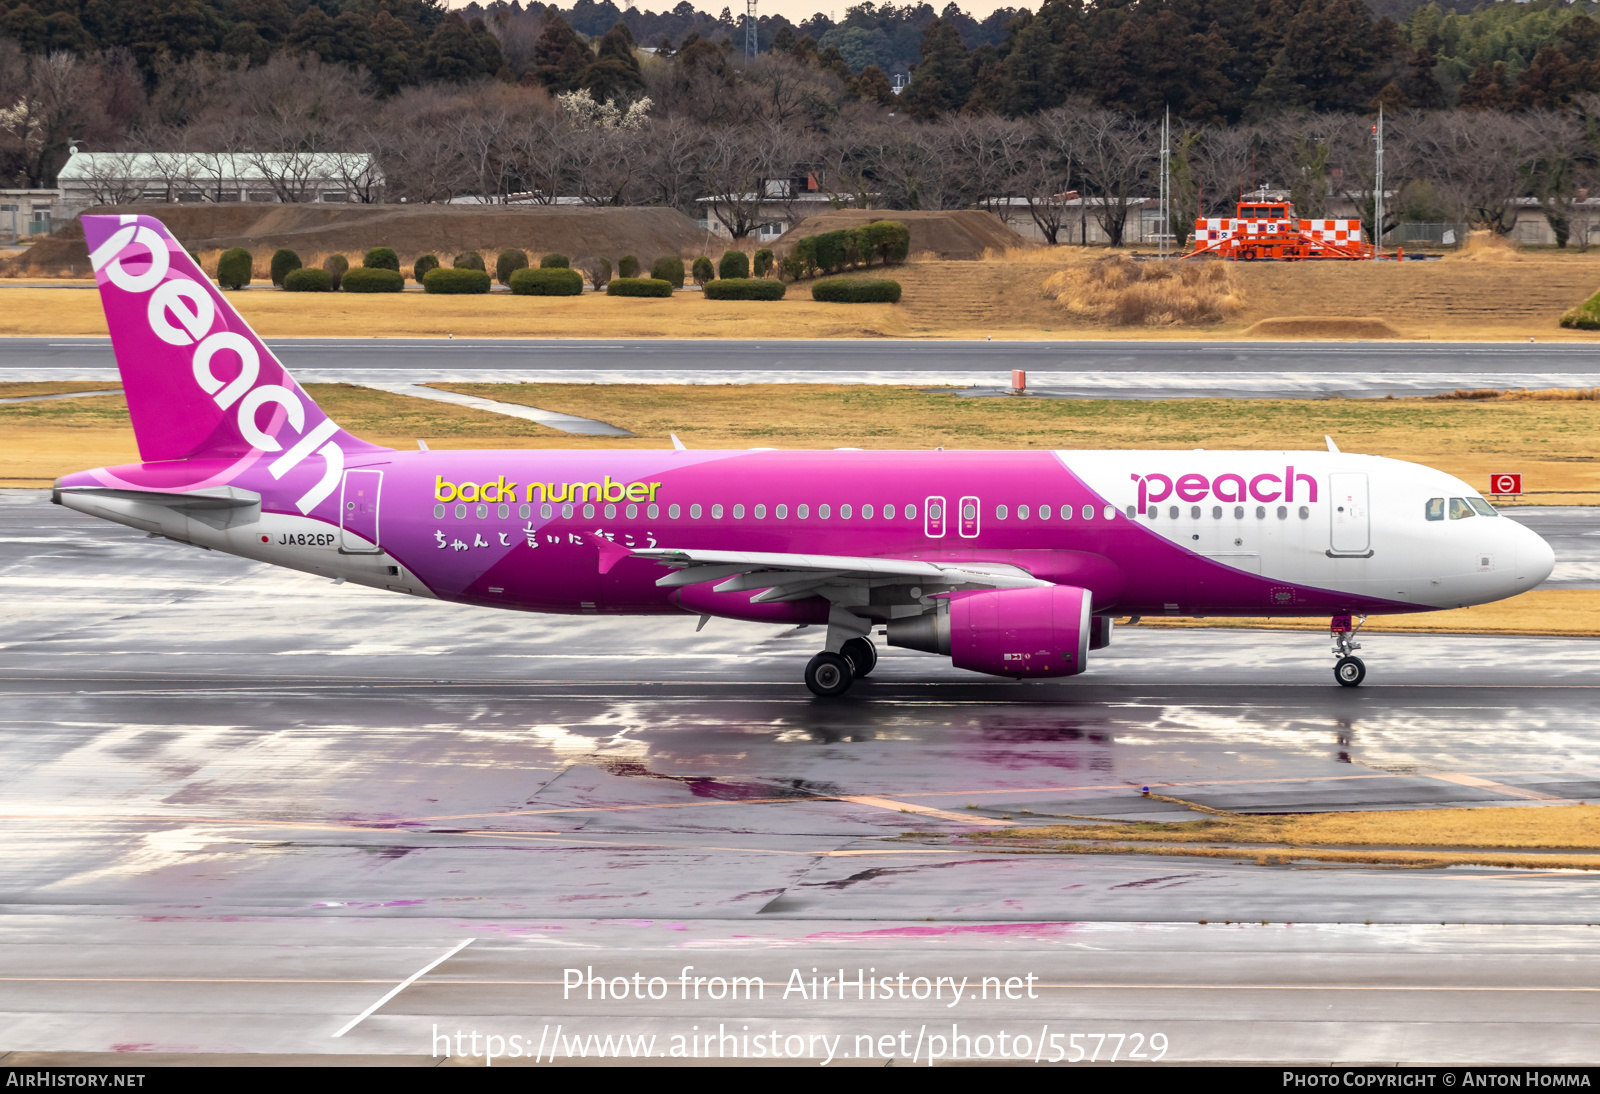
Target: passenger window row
1001,512
675,512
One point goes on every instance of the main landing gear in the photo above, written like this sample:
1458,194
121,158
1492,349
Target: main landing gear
831,674
1349,669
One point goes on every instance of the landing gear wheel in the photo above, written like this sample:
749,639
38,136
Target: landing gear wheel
862,655
828,675
1349,671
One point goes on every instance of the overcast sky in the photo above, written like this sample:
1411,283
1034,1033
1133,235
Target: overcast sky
797,10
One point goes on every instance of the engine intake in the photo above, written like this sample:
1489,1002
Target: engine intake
1007,632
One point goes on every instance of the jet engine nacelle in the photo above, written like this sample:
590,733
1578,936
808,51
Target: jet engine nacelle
1007,632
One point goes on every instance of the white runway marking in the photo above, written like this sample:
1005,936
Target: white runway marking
566,423
404,984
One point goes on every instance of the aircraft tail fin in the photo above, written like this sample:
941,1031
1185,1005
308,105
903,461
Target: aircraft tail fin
199,382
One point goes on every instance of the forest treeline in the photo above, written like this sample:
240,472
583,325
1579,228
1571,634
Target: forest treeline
1209,60
508,103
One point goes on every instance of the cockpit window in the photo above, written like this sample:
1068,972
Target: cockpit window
1460,510
1435,509
1484,508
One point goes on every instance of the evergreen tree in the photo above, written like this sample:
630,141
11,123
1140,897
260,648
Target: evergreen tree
559,56
457,52
943,81
615,73
873,86
1486,89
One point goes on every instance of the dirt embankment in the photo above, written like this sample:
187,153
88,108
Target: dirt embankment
315,231
962,234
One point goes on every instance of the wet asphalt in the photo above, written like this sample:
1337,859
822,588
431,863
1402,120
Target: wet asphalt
241,804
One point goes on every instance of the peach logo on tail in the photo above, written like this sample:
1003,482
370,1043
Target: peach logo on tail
181,313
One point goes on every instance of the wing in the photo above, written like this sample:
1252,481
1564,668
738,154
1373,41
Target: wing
790,577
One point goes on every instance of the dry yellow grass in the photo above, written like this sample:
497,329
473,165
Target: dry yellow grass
1564,612
1554,443
40,311
1461,297
1508,837
1117,289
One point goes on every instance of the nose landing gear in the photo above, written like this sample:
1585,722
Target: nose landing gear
1349,669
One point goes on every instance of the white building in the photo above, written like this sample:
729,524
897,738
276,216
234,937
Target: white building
26,213
122,178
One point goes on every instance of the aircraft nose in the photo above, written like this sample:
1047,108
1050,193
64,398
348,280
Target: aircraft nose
1535,558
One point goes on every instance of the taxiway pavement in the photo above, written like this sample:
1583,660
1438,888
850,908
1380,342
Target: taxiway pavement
1131,370
242,804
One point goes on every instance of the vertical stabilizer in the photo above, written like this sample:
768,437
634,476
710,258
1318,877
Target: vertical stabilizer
199,383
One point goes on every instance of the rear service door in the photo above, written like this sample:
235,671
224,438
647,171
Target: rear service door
1347,497
933,518
358,512
968,515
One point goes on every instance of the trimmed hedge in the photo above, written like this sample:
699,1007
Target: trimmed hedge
627,266
764,262
381,258
1585,316
336,265
304,280
553,281
886,241
234,268
703,271
508,263
468,260
373,279
668,269
734,264
745,288
854,290
639,286
458,280
424,264
283,260
555,262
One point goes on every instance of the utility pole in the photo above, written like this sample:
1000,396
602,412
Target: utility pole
751,46
1166,184
1377,188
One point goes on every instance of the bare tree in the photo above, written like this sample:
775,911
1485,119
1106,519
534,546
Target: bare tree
1558,172
1043,179
46,103
542,150
740,162
986,149
113,178
415,149
672,149
1222,163
1474,160
785,91
846,161
1115,154
296,111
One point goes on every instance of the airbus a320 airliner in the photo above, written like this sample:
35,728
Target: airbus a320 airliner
1009,563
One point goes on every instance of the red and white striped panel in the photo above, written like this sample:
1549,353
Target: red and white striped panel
1333,231
1210,229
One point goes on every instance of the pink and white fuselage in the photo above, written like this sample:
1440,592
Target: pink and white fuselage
1011,562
